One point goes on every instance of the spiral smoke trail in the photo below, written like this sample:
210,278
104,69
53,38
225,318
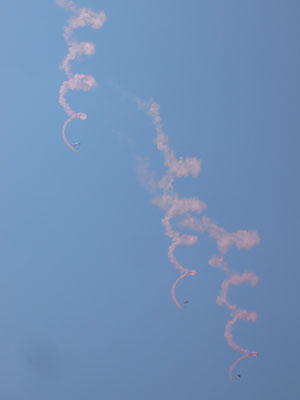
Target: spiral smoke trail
242,239
81,17
169,200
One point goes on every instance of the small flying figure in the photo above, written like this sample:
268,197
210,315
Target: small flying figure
186,301
76,143
239,375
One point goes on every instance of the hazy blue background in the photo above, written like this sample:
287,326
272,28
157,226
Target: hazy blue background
85,281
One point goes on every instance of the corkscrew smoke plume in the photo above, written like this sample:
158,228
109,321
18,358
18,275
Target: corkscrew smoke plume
80,18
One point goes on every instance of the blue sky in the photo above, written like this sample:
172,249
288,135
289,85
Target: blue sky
85,279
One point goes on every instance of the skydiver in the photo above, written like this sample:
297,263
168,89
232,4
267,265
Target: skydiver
239,375
186,301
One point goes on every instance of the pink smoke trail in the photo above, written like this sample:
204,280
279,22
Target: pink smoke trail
175,301
78,116
81,18
175,207
251,354
241,239
169,200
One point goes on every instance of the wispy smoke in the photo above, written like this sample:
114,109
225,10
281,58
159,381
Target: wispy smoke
81,18
182,208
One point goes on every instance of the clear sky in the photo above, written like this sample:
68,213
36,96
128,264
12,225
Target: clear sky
85,304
